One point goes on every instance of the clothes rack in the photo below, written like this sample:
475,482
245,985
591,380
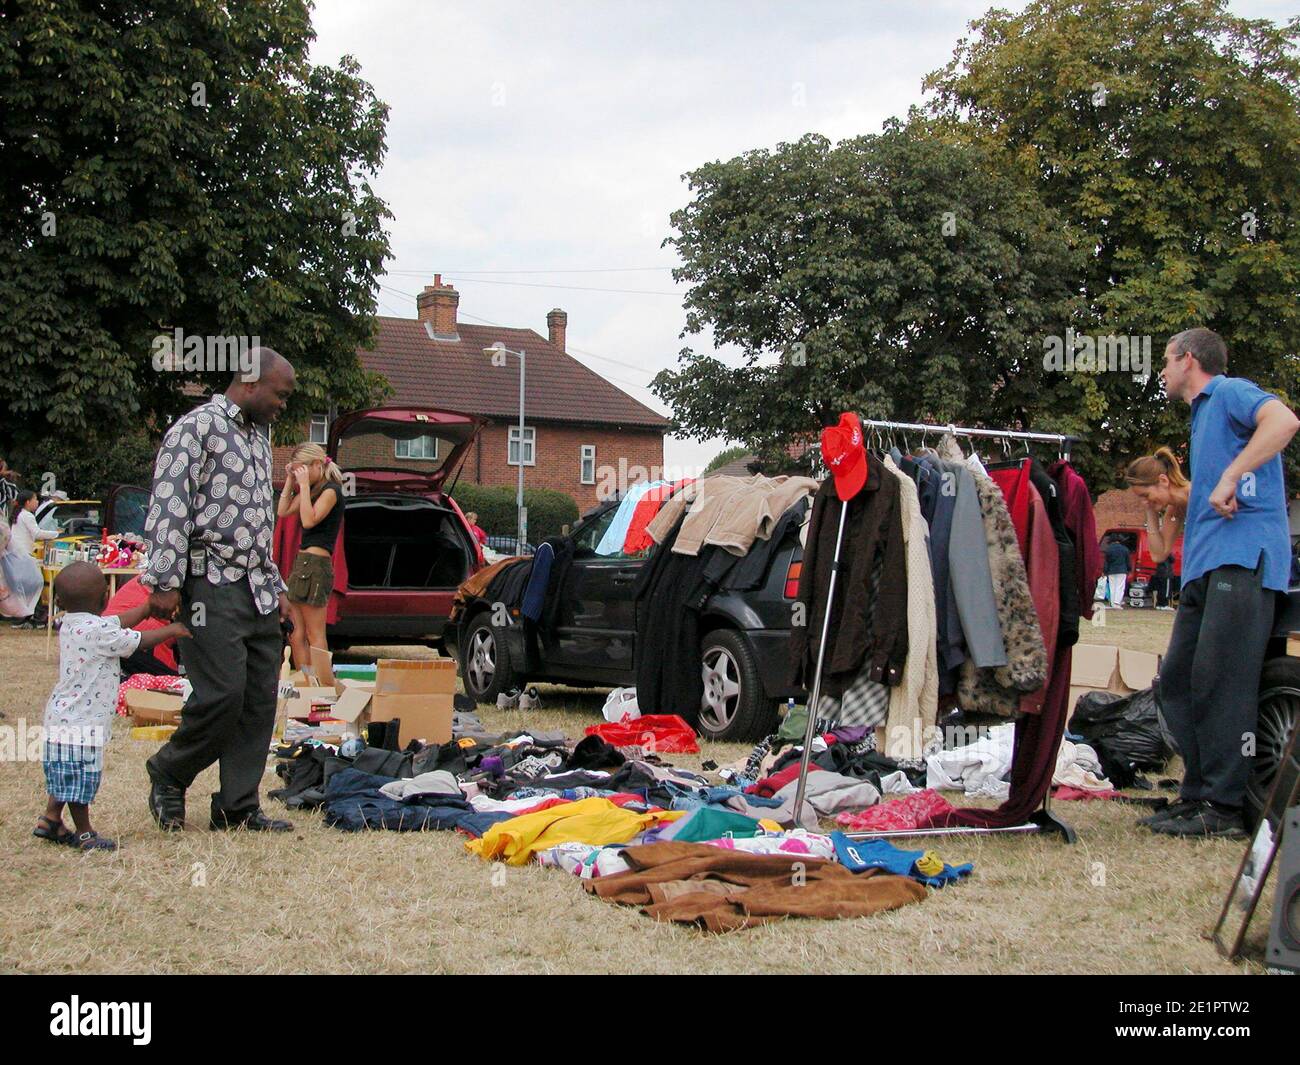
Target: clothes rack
1043,819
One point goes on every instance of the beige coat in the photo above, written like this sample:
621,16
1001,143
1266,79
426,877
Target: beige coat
914,702
729,512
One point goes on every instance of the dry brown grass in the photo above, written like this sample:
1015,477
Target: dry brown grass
319,900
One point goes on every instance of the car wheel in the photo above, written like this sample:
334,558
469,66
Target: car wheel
1279,710
732,707
485,663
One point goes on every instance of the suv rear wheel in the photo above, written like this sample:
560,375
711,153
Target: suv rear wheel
485,662
1279,711
733,707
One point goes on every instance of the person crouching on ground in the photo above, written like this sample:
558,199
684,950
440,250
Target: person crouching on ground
1236,559
79,714
313,490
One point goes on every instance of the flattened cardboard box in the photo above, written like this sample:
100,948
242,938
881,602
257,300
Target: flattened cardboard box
153,707
419,693
1096,667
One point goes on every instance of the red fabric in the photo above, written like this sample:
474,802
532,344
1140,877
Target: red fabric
769,786
479,534
637,539
911,811
1068,793
1043,568
1076,511
1015,485
284,549
146,682
662,733
131,595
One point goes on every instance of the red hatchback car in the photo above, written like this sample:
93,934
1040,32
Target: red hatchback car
407,544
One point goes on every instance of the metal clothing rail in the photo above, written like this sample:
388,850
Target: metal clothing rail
1062,440
1043,819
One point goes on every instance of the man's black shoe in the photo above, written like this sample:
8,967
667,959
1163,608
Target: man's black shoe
167,804
1174,810
1206,822
254,821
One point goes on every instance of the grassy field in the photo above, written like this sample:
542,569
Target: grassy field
319,900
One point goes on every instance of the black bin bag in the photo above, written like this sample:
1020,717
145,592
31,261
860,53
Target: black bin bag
1126,731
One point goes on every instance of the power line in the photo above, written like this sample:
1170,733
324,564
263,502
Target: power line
592,270
568,288
588,354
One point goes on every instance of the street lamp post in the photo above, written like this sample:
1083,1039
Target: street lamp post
500,350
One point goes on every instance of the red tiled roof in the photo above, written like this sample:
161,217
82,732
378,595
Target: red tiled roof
456,374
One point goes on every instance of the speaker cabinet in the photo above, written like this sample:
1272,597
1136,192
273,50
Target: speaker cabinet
1284,935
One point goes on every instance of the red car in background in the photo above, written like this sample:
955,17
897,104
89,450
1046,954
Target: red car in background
408,546
1142,565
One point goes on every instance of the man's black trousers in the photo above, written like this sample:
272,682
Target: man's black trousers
233,661
1209,681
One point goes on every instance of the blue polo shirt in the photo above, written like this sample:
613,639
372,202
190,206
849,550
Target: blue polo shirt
1223,420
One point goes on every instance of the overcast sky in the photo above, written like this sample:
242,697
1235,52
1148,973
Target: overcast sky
536,149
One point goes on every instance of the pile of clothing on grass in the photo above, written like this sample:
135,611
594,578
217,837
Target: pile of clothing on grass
630,826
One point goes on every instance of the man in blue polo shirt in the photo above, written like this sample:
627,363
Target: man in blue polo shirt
1236,559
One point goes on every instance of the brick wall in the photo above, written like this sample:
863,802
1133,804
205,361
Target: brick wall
558,457
1119,506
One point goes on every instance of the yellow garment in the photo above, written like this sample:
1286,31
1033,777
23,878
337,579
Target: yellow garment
595,821
929,864
768,825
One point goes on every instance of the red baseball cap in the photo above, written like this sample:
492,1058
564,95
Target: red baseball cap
844,455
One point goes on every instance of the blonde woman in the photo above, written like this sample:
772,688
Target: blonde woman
313,490
1160,483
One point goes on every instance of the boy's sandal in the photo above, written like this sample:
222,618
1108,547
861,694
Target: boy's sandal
90,841
50,830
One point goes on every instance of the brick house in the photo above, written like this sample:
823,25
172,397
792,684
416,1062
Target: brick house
577,424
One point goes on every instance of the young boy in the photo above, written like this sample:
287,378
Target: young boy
79,715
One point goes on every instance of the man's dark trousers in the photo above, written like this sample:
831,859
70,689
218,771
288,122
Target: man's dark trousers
234,664
1209,680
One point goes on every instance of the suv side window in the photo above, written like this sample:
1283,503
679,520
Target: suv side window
586,538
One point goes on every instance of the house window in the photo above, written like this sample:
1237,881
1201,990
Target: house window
319,430
530,446
588,465
420,447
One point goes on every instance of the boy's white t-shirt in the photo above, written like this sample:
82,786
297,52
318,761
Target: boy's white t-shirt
80,708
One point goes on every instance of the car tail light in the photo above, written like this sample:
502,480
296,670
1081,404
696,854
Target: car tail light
792,580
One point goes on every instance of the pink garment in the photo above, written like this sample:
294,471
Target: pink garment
911,811
1067,792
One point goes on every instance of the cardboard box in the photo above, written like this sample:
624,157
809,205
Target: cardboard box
419,693
1097,667
153,707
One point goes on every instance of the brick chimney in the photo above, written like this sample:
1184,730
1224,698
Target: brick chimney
557,324
436,305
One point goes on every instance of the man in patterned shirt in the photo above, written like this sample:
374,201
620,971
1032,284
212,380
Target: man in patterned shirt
210,524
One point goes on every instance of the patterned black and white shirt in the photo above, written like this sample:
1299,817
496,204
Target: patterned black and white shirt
213,507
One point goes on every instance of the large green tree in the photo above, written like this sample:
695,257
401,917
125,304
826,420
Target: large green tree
1159,139
177,165
1167,132
905,274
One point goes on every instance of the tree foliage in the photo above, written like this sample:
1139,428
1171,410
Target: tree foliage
904,274
1118,167
1168,133
178,165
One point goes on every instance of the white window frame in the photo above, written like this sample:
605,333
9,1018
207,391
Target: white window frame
408,457
529,445
587,453
321,422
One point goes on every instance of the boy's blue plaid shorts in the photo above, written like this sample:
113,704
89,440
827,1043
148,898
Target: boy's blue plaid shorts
73,773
